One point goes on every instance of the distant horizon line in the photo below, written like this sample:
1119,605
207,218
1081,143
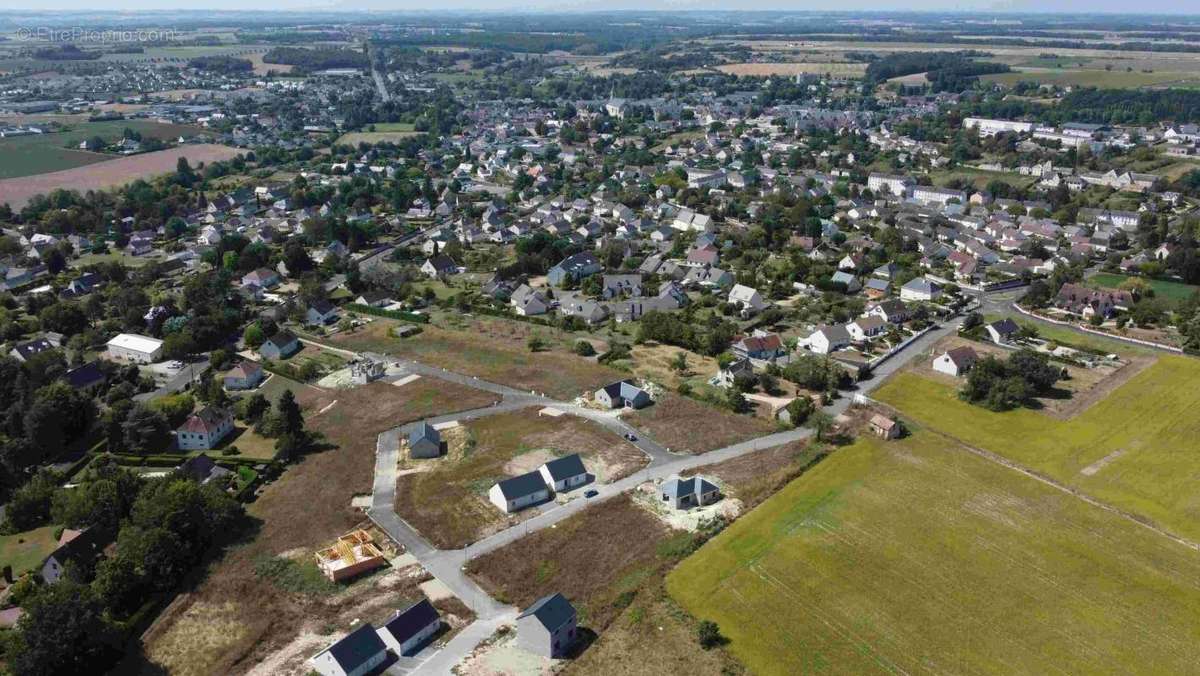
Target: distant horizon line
569,10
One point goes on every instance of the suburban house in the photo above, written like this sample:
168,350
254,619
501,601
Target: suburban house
202,469
693,491
1085,302
410,628
865,327
547,627
727,375
245,375
23,351
564,473
746,299
86,377
375,299
955,362
82,547
438,267
279,346
884,427
846,279
320,312
204,429
828,339
892,311
920,289
424,441
1002,331
622,394
355,654
527,302
616,286
135,348
574,268
765,347
262,278
519,492
877,288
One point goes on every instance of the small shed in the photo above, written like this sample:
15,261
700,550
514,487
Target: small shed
884,427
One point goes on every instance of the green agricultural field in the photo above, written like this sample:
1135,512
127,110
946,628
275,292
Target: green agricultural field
1138,449
1115,79
1173,291
43,153
916,556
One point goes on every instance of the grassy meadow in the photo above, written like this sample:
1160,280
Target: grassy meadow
1138,449
916,556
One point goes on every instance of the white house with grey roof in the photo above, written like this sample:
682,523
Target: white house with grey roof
519,492
411,628
547,627
564,473
828,339
622,394
693,491
355,654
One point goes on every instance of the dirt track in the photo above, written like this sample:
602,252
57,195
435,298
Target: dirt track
18,191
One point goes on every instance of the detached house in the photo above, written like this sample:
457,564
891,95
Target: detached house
204,429
564,473
519,492
622,394
424,442
245,375
320,312
356,654
690,492
547,627
279,346
955,362
574,268
747,299
1002,331
410,628
828,339
439,267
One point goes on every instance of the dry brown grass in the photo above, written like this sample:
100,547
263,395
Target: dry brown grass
788,69
448,503
112,173
494,350
236,618
685,425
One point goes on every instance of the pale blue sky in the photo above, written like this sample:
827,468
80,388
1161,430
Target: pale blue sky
1080,6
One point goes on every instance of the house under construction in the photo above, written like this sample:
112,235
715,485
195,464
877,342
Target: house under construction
353,554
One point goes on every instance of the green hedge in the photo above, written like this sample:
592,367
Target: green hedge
389,314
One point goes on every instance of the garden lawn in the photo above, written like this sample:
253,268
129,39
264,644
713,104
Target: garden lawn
1147,432
916,556
1175,292
26,551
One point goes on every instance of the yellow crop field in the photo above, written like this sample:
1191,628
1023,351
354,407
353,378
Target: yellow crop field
917,556
1138,449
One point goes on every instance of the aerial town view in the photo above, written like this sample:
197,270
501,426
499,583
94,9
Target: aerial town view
348,337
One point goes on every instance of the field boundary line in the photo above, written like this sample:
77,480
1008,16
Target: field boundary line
1002,461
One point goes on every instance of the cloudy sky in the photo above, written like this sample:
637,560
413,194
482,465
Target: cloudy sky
1084,6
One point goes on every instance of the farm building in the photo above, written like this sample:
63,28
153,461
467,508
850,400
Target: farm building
690,492
622,394
564,473
204,429
519,492
353,554
884,427
355,654
547,627
424,442
955,362
410,628
135,348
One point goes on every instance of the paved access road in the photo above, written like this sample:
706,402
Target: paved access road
447,565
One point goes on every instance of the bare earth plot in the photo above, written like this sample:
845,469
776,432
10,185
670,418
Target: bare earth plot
482,350
685,425
916,556
1151,419
447,503
102,175
609,560
236,616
